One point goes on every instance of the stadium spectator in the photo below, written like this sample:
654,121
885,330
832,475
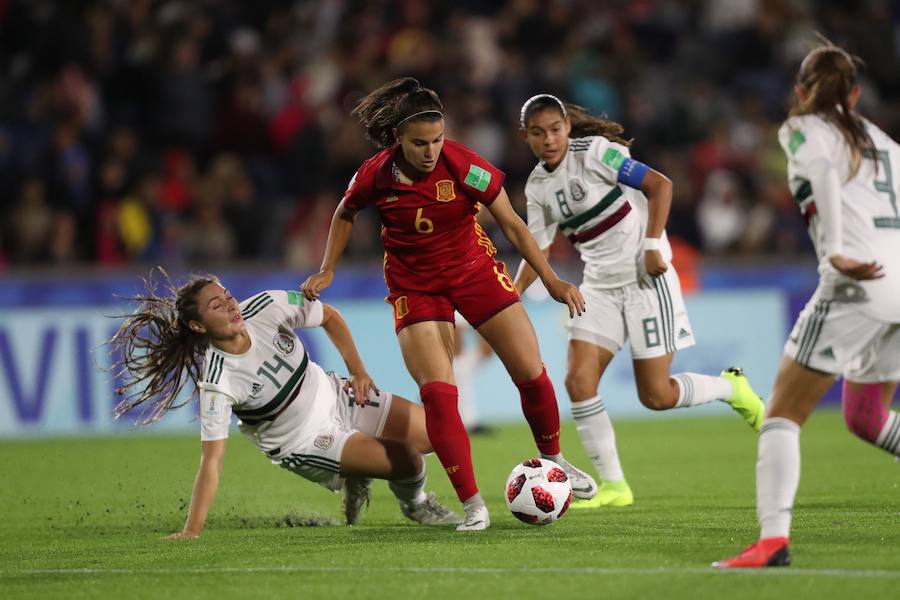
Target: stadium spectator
698,83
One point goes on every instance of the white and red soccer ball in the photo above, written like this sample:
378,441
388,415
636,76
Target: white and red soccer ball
538,491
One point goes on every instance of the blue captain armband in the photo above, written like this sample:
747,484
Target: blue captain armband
632,172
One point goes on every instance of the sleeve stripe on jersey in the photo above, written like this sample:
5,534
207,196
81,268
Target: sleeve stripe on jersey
257,307
249,301
580,145
255,301
804,190
214,372
598,208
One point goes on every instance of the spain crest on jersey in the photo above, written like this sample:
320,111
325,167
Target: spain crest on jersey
444,190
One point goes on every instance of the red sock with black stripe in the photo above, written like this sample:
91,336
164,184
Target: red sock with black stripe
448,436
541,412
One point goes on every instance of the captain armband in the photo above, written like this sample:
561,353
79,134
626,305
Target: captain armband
631,173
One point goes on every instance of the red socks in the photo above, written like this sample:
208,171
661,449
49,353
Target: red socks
541,412
448,436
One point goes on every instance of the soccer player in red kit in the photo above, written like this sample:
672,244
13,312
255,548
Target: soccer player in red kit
427,191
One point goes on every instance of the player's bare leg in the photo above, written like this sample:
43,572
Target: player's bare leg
797,391
512,337
402,465
406,423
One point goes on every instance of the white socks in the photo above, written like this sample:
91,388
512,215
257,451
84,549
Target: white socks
777,475
889,437
598,437
695,389
465,367
410,490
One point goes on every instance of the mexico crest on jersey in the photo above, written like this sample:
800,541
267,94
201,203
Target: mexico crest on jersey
444,191
284,342
255,389
576,189
324,442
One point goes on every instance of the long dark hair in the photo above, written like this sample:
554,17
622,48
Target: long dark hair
584,124
157,353
827,77
395,104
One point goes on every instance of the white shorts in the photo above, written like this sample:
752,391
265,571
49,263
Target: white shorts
649,313
836,337
317,457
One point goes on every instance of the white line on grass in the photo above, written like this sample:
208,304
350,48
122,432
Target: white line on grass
791,571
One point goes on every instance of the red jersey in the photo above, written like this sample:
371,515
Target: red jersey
429,227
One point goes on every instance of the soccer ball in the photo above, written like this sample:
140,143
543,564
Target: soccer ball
538,491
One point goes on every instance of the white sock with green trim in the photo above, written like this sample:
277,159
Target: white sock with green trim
695,389
597,436
777,475
410,490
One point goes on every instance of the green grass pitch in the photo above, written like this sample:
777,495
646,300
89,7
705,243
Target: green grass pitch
85,518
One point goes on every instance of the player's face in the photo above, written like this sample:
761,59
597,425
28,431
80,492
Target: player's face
422,142
220,314
547,134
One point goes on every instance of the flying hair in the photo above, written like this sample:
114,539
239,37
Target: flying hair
155,352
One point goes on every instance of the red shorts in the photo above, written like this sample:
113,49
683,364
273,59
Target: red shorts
478,294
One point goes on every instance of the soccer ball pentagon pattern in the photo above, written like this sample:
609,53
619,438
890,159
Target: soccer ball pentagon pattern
538,491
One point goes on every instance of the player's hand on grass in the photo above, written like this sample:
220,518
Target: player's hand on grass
183,535
568,294
855,269
362,385
314,284
654,263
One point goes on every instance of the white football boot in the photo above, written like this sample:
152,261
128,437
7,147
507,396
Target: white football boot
430,512
477,518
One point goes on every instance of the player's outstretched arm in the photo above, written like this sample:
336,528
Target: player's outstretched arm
517,233
212,455
339,333
338,236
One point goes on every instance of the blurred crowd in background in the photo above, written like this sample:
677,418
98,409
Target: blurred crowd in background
218,131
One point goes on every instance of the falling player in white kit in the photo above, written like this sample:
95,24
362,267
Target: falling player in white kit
614,210
840,170
333,431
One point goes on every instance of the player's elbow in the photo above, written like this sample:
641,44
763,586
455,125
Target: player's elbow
657,185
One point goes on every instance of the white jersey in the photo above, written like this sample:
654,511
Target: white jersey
582,196
870,209
273,378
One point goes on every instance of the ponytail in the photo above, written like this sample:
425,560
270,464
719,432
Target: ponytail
583,123
395,104
827,77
